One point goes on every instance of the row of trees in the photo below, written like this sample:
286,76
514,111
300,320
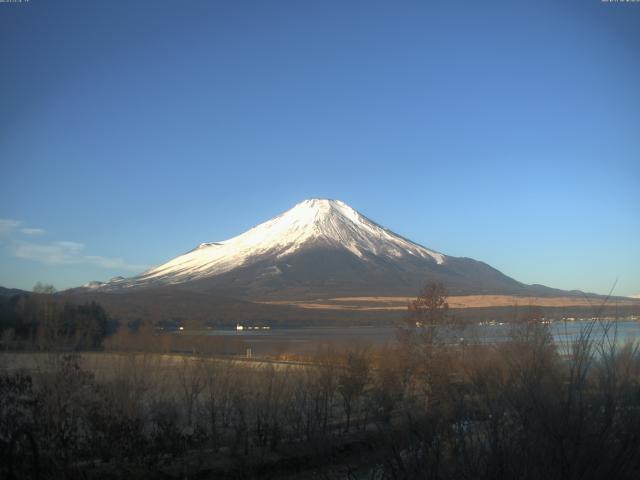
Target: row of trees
45,321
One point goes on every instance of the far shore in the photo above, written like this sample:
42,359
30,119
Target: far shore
461,301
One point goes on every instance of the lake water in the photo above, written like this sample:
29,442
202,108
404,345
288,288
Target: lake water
304,340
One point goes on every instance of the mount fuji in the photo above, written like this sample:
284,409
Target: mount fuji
319,249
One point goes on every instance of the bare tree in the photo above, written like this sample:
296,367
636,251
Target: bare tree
44,288
191,384
352,381
423,338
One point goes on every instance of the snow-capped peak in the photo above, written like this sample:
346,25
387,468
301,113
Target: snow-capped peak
311,222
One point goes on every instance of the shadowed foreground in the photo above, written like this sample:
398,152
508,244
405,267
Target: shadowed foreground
422,409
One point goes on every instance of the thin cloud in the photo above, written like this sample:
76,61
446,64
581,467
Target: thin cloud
70,253
8,226
56,253
33,231
114,263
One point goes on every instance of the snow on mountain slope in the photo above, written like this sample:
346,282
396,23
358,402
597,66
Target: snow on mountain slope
328,222
318,249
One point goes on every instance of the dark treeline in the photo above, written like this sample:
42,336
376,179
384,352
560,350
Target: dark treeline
527,408
44,321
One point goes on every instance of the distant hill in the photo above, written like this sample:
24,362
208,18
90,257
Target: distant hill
10,292
198,309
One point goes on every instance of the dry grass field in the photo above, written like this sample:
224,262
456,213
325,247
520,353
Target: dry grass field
462,301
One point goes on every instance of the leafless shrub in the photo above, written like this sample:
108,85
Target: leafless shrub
352,381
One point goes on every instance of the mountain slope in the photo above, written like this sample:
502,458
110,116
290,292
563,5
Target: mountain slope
328,224
10,292
320,248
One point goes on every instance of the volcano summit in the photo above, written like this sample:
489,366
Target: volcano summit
320,249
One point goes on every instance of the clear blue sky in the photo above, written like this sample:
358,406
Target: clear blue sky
506,131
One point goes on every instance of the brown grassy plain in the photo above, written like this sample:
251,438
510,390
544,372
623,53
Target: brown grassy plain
461,301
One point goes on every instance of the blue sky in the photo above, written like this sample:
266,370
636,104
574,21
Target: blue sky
506,131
